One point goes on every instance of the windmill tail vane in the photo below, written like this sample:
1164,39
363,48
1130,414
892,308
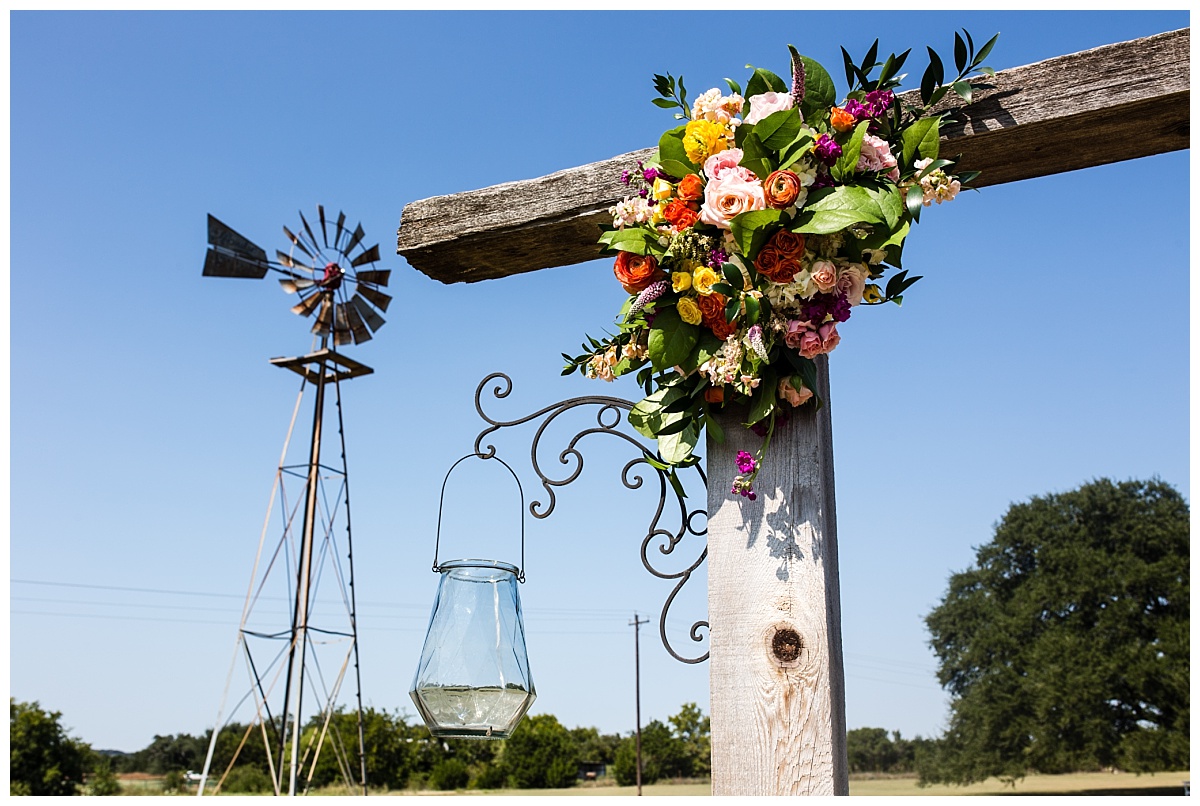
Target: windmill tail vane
338,286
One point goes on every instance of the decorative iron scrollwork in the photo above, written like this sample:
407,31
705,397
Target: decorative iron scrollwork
608,419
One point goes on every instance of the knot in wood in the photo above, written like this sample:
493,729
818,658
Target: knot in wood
786,645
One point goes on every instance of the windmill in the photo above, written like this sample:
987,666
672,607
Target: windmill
291,620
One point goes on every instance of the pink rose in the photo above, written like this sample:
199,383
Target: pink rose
852,281
828,337
731,195
722,161
824,275
765,104
876,155
797,397
795,332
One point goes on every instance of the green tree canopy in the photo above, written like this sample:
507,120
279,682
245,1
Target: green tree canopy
540,754
1066,646
43,759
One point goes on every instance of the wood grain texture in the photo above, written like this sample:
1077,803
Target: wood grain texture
778,725
1099,106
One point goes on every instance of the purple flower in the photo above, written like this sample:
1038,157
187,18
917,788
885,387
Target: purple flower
840,308
625,177
650,174
716,258
827,149
745,462
643,193
823,180
877,102
855,108
648,295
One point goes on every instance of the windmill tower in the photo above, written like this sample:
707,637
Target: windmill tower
298,637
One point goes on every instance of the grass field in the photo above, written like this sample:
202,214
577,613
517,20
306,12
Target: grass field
1089,783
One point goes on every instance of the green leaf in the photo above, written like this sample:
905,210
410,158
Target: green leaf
732,306
915,200
984,51
891,205
960,54
921,138
756,156
714,429
670,147
677,448
762,402
825,222
819,92
708,346
806,368
632,239
751,230
671,339
850,152
752,310
663,103
647,416
733,274
796,149
734,87
963,89
676,168
764,81
778,129
847,198
724,288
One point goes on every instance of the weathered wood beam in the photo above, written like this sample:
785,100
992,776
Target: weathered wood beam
1108,104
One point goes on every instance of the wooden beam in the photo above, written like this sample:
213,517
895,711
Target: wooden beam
778,706
1099,106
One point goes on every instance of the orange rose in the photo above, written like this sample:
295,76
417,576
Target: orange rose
789,244
691,188
712,312
715,394
635,272
775,266
679,214
781,189
841,120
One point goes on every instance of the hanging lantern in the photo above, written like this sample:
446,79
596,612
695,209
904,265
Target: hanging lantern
473,678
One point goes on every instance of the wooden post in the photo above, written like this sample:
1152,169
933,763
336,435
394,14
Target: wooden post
778,696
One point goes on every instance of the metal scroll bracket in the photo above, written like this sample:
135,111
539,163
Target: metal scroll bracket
609,417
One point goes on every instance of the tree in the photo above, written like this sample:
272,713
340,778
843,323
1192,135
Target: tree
691,728
1066,647
43,759
541,755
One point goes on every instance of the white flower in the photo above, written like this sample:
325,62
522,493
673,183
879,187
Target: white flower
766,103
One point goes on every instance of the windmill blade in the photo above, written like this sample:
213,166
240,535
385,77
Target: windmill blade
292,237
373,320
227,264
324,232
293,285
308,229
341,220
225,238
341,325
369,256
354,239
305,307
377,298
291,262
325,317
357,326
374,276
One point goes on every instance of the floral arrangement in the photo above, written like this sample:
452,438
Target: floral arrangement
756,229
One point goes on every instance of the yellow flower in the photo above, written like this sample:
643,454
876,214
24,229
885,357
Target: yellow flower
681,281
703,279
872,294
702,139
662,189
689,311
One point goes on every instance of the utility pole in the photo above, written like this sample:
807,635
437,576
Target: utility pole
637,693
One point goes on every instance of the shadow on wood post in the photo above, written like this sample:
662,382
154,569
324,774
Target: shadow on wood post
778,695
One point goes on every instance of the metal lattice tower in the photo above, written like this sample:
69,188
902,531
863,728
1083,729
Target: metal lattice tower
298,636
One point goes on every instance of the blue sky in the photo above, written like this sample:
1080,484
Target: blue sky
1046,346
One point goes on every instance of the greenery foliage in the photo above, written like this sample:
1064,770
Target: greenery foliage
1066,647
43,759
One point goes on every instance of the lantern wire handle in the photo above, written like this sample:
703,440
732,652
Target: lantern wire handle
442,501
